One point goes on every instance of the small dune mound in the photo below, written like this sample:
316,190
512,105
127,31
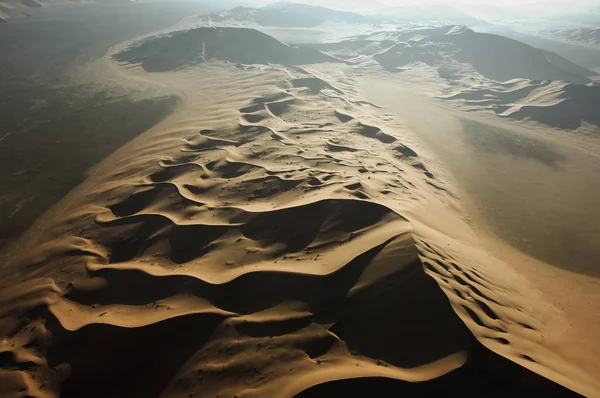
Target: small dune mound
238,45
314,84
342,117
253,117
278,108
375,132
333,147
405,151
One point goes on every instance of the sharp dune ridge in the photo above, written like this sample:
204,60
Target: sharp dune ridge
276,236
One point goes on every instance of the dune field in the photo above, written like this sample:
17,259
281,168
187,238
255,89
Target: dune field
291,229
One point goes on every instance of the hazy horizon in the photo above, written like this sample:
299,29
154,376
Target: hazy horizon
544,7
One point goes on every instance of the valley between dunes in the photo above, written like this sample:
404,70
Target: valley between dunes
277,236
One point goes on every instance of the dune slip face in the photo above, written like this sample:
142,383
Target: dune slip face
275,237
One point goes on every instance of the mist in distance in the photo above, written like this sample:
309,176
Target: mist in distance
554,12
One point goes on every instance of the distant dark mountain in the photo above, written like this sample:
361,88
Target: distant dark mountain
583,17
31,3
8,10
582,36
554,103
286,13
237,45
455,50
573,104
14,9
289,16
495,57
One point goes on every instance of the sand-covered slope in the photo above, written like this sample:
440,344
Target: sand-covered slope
276,237
238,45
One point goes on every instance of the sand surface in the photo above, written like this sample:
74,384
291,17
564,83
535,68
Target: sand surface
287,232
